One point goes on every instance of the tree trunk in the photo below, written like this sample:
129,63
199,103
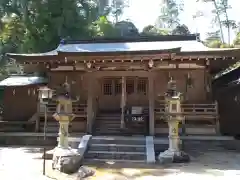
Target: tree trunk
219,20
228,26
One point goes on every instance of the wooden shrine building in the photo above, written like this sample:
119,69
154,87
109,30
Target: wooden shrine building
112,74
226,88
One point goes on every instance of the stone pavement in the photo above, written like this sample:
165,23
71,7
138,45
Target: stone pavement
26,164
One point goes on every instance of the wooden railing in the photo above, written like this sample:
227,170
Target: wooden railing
193,114
79,109
203,112
191,109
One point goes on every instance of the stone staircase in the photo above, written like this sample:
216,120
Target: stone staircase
116,149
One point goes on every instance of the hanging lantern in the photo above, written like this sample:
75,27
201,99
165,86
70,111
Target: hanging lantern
150,63
89,65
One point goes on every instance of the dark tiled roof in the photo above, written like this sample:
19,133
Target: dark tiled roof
184,43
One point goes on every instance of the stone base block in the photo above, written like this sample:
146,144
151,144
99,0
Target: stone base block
49,154
169,156
66,160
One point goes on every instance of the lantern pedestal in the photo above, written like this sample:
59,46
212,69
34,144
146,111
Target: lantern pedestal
173,154
173,115
65,159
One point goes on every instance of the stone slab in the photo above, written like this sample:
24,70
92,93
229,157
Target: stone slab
150,153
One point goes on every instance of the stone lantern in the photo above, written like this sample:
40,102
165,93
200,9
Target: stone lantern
65,159
173,117
64,116
44,95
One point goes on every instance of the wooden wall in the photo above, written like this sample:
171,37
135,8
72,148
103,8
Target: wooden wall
197,93
79,82
20,102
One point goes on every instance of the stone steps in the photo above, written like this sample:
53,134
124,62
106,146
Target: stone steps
95,160
118,147
109,148
123,141
114,155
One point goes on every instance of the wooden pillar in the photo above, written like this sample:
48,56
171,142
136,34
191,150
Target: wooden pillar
123,101
218,131
90,105
37,122
151,95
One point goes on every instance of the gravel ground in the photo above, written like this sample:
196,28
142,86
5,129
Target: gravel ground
25,163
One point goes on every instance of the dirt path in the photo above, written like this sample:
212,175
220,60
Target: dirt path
26,164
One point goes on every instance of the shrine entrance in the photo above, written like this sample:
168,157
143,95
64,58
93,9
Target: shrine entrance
111,92
137,91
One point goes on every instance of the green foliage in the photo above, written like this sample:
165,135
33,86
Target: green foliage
151,30
116,9
46,22
221,17
170,11
29,26
214,41
11,37
236,41
181,30
103,27
213,44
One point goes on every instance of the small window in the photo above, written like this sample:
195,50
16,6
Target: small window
117,86
107,87
142,86
130,86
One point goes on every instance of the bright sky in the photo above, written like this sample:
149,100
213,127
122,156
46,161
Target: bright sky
143,13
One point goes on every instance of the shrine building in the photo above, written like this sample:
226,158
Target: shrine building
111,74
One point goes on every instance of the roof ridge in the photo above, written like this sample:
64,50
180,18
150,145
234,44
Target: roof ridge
190,37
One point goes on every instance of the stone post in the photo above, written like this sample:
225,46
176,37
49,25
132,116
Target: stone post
173,117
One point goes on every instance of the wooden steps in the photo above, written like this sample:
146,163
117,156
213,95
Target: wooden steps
110,124
78,125
16,126
107,124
